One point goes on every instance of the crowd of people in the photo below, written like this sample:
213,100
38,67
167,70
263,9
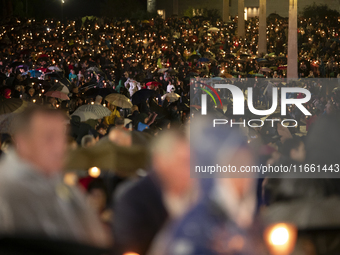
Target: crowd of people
127,92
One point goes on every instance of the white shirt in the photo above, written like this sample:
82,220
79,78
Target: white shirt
170,88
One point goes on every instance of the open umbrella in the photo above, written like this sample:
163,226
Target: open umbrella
93,69
162,70
172,71
97,109
94,91
60,87
42,69
142,95
11,105
194,56
265,69
55,68
226,75
213,29
173,97
154,83
84,116
43,56
109,156
218,78
203,60
57,94
258,75
119,100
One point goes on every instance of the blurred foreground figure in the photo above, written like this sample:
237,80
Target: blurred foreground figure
222,222
33,199
166,193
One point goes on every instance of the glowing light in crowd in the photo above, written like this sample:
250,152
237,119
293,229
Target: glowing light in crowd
94,172
280,238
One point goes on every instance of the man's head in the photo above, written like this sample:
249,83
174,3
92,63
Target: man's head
120,137
171,161
119,122
31,91
134,108
40,138
99,99
88,141
101,129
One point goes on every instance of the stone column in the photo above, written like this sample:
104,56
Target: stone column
262,27
241,24
225,11
292,64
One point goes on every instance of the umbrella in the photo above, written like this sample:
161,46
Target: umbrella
194,56
94,91
11,105
226,75
119,100
94,69
258,75
208,54
97,109
213,29
43,56
44,70
173,97
282,67
55,68
203,60
162,70
25,67
154,83
109,156
142,95
172,71
262,60
230,55
57,94
244,55
266,69
218,78
84,116
60,87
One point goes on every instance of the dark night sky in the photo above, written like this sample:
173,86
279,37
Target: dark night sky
41,9
80,8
